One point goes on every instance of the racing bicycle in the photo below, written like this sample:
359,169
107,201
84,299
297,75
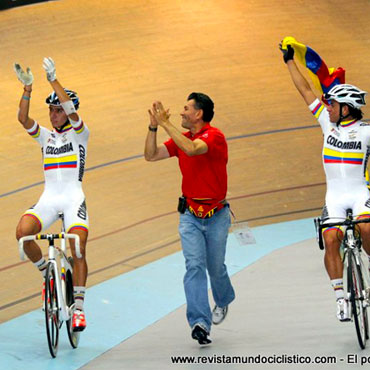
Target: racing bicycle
355,272
58,303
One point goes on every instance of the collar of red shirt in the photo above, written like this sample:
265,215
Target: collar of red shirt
207,126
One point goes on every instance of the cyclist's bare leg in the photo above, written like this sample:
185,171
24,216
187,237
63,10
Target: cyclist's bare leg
334,267
29,226
79,279
365,236
80,265
332,259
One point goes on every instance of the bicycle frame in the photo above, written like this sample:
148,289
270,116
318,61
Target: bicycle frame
53,254
64,312
358,281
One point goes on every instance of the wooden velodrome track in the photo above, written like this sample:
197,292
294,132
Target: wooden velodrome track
120,56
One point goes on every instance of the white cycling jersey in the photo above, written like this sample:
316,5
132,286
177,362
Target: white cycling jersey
345,155
64,155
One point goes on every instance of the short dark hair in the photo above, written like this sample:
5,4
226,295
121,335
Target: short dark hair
354,112
205,103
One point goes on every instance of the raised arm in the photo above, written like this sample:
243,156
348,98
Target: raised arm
299,81
24,105
65,101
190,147
153,152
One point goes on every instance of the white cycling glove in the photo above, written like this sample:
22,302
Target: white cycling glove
25,77
49,66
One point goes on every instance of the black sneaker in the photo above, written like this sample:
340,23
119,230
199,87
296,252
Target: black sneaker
200,334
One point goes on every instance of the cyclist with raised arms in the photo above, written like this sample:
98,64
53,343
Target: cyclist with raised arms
345,155
64,151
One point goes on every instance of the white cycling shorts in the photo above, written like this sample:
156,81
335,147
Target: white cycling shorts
72,204
338,201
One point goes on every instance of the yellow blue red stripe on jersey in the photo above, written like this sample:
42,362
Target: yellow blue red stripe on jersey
348,123
64,129
363,215
80,128
35,217
339,230
78,226
69,161
36,133
334,156
318,109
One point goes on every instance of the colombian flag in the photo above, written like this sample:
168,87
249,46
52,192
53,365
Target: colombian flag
324,78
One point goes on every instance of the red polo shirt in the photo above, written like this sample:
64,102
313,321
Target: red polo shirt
204,175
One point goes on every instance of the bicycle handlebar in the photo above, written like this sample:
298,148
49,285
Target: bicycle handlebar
347,222
49,237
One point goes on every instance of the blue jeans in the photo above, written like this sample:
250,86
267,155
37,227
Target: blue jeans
204,247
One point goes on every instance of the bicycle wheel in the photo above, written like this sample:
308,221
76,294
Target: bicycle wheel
51,309
73,337
359,312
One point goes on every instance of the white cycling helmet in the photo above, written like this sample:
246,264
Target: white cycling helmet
347,94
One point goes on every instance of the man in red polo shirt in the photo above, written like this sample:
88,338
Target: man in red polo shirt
204,212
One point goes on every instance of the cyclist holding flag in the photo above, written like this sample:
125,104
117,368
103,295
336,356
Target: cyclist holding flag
345,153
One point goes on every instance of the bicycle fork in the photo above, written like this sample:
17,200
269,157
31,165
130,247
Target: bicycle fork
356,251
65,267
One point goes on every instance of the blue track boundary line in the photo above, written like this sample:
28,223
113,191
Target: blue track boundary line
128,300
